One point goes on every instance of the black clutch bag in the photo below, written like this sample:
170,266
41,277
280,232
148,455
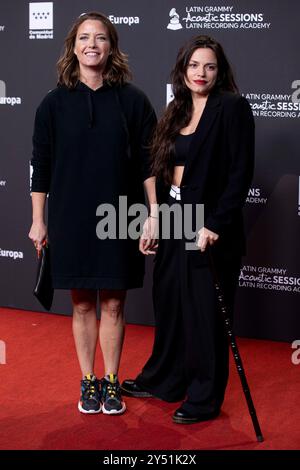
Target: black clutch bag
43,290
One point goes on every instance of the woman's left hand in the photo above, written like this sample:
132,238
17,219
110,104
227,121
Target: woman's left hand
206,237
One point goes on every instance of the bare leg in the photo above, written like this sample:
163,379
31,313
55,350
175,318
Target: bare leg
112,328
85,328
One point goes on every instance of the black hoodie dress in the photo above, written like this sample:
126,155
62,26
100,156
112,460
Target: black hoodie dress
89,148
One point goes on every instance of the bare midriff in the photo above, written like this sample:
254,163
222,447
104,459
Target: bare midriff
177,175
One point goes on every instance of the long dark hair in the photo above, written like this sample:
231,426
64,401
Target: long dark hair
179,112
116,70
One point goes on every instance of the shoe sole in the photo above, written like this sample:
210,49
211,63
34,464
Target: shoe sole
114,412
179,420
185,421
88,412
128,393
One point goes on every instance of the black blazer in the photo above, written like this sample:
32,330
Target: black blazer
219,168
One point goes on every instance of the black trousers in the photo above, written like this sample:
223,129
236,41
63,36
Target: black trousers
190,352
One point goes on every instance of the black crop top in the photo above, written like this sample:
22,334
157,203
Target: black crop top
182,146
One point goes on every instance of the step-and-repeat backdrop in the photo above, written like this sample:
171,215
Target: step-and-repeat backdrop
261,40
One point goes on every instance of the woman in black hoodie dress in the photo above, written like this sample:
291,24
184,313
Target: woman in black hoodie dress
89,148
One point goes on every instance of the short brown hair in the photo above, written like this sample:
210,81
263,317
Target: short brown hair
116,71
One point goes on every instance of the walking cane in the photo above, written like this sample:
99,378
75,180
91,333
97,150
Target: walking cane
234,349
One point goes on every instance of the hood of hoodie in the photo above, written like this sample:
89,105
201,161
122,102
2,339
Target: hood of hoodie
89,92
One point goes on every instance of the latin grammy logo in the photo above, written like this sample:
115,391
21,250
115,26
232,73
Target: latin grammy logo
174,23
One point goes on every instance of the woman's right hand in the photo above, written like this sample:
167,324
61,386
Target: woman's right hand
38,234
149,238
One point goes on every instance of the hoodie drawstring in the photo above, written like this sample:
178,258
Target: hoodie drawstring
91,110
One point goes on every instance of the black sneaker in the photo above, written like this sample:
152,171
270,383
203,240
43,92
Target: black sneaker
90,395
111,398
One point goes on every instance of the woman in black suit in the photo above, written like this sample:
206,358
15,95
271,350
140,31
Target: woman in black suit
203,154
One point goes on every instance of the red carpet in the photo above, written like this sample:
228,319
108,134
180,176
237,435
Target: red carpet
39,386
